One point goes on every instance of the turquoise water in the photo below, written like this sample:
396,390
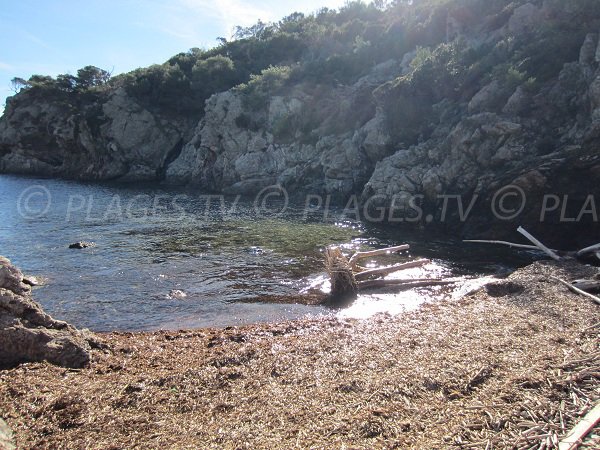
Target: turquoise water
166,258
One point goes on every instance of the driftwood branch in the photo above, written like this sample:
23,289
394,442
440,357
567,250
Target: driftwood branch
538,244
594,250
387,270
587,285
402,284
590,249
382,251
510,244
575,437
577,290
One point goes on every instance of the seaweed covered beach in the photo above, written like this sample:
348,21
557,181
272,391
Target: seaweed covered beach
513,365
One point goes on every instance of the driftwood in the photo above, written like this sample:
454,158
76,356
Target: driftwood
348,278
577,290
510,244
382,251
387,270
578,286
587,285
343,283
575,437
538,244
591,249
403,284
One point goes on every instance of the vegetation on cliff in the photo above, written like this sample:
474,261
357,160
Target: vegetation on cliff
332,47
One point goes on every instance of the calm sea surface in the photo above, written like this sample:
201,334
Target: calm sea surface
169,259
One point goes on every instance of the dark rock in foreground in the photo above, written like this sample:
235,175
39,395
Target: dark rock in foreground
28,334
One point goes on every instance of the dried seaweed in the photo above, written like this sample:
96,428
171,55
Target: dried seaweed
511,371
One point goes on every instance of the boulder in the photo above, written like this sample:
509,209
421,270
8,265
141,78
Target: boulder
594,92
518,103
489,98
81,245
28,334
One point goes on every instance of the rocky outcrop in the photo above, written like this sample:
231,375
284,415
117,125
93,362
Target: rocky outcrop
524,17
107,138
545,144
28,334
229,153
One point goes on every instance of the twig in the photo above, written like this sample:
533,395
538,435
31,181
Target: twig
596,325
381,251
577,290
538,244
590,249
387,270
586,285
404,284
510,244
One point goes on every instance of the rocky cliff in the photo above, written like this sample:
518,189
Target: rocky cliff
466,117
236,149
105,138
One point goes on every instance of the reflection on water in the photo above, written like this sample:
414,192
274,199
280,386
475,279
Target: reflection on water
189,266
395,301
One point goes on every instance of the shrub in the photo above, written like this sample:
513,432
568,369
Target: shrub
260,87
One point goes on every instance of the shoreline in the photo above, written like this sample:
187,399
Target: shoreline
513,365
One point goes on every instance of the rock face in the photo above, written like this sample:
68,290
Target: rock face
542,143
109,138
230,153
27,333
495,130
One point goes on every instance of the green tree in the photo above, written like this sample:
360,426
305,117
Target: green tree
16,84
66,82
91,76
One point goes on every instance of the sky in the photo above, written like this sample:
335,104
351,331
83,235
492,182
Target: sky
50,37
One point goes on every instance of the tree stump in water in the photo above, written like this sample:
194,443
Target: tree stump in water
348,278
343,284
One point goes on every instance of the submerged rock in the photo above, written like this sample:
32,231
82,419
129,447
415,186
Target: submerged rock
82,244
176,294
28,334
